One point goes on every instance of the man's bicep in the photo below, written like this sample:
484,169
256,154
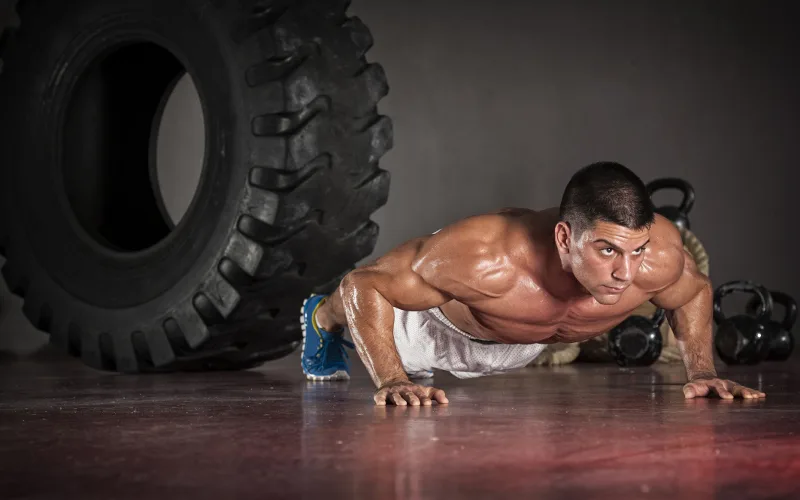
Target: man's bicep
403,289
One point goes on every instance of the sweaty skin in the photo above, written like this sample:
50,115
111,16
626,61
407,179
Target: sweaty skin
521,276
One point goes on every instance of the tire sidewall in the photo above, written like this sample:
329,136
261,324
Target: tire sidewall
112,288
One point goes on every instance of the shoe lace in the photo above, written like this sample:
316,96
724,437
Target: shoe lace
333,350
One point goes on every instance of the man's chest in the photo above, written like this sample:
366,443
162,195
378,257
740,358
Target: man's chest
535,317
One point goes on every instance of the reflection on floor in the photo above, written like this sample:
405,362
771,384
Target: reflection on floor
579,431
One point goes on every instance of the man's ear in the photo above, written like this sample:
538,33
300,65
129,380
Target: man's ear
563,235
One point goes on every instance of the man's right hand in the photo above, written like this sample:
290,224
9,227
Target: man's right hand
408,393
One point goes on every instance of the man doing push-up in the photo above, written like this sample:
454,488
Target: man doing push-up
485,294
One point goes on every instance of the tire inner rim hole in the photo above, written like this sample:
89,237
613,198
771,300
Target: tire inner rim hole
133,146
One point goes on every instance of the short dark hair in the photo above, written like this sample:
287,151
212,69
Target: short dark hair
609,192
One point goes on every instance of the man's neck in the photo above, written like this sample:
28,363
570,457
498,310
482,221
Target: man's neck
558,280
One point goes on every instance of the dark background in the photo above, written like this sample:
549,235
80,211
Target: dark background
498,103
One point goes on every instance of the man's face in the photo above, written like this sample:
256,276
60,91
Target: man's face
605,259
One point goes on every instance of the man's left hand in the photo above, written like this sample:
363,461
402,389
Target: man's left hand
726,389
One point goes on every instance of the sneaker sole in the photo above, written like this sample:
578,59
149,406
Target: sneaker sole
338,375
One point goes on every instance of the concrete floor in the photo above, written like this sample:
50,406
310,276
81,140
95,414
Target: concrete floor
579,431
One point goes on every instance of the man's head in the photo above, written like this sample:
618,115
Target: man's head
605,220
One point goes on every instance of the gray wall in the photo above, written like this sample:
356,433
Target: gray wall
497,104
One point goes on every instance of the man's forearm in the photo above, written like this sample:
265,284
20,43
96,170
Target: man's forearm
693,328
370,319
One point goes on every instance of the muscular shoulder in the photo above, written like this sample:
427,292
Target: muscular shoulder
677,280
472,257
665,259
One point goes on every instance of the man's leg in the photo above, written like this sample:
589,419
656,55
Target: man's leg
330,315
323,321
326,314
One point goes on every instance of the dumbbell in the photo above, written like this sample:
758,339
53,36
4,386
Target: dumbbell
678,215
637,340
743,339
781,341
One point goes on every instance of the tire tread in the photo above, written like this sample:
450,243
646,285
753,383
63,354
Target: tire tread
315,198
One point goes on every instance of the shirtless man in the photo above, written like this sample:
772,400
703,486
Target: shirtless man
486,294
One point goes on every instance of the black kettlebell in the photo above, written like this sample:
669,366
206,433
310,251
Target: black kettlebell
637,340
678,215
742,339
781,341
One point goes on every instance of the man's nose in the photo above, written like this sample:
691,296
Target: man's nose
624,271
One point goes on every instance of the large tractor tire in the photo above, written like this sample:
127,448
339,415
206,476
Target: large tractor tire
289,181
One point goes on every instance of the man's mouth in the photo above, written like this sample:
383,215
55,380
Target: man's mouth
614,289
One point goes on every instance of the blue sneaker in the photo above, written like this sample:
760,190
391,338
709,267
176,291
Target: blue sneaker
324,356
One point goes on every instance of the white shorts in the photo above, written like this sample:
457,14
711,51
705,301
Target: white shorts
427,340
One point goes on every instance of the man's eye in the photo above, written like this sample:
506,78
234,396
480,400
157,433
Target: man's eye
639,251
607,251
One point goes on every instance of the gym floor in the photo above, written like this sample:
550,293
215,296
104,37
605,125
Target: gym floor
578,431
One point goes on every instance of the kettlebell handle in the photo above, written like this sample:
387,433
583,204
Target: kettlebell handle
674,183
790,306
790,316
764,309
779,298
658,317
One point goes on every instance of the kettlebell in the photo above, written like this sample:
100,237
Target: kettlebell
637,340
781,341
678,215
742,339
